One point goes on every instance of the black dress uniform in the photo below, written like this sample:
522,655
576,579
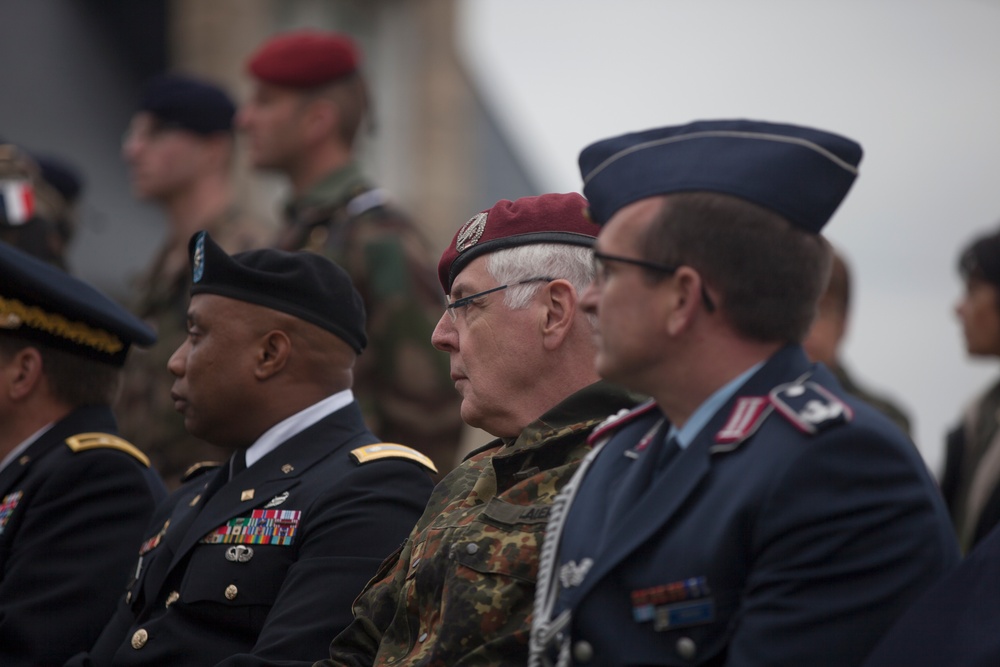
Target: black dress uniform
264,566
74,497
73,507
259,565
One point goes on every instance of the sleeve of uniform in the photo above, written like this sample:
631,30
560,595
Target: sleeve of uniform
850,535
401,379
70,562
360,522
374,609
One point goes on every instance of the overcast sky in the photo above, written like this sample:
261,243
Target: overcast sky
916,82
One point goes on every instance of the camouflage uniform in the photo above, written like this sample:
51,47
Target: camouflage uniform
401,381
145,410
460,590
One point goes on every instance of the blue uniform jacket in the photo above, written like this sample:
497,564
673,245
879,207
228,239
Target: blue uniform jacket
205,594
954,624
70,523
761,543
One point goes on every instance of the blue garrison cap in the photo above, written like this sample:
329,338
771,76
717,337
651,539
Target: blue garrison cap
189,103
44,304
303,284
798,172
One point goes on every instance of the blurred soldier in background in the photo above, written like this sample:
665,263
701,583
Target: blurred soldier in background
38,198
302,120
179,149
827,335
74,497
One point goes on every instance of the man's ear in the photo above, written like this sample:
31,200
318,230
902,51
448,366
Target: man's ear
273,352
685,293
22,373
561,303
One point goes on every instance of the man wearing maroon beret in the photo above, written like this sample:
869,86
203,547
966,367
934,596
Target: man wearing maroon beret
460,589
307,107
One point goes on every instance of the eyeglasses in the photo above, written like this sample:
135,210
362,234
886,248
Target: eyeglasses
465,301
601,271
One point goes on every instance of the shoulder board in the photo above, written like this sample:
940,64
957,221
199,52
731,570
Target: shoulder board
621,417
810,407
199,468
389,450
81,442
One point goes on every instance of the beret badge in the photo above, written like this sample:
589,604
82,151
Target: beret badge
471,232
198,259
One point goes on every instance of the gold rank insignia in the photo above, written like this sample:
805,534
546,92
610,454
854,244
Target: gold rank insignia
388,450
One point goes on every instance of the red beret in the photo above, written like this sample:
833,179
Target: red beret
551,218
304,58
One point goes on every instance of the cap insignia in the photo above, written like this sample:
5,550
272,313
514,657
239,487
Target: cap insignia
471,232
13,314
198,263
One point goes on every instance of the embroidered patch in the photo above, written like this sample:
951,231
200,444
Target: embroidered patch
7,507
810,407
198,261
261,527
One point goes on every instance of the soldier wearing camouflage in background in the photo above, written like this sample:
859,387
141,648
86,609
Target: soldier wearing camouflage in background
460,589
179,149
306,110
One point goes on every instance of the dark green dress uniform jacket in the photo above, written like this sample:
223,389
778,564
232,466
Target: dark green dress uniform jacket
792,531
71,519
264,566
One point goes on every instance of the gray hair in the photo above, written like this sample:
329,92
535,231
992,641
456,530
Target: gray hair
552,260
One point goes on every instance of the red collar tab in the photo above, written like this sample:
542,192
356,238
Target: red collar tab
810,407
743,420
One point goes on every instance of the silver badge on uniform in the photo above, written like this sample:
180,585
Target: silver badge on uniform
572,574
239,553
277,500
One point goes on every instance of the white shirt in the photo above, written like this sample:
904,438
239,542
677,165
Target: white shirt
295,424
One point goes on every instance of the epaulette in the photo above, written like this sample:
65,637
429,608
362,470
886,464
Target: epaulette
810,407
389,450
81,442
199,468
623,416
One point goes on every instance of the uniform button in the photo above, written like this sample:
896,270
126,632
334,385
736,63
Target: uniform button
686,648
172,598
422,638
140,638
583,651
231,592
472,548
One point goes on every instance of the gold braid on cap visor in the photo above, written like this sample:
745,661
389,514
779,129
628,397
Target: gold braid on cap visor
14,314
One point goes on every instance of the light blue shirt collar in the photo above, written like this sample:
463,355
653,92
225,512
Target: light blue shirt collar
686,435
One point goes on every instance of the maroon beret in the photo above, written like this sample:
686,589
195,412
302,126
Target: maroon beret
551,218
304,58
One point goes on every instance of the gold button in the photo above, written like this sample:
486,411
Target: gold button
172,598
139,639
287,468
231,592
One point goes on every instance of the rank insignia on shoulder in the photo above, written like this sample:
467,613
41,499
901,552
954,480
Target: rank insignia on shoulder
199,468
810,407
617,419
747,416
388,450
86,441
